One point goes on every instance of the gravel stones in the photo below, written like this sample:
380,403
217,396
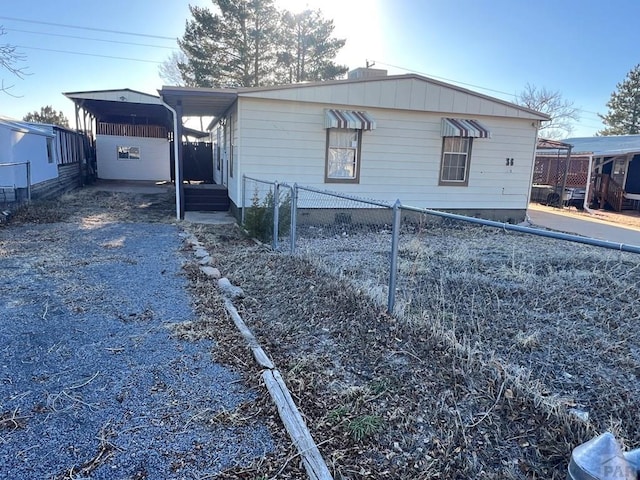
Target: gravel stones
90,372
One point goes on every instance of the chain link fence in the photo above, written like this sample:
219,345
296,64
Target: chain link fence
416,260
267,208
15,183
556,312
348,236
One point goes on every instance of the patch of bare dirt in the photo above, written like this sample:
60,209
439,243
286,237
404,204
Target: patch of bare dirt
93,207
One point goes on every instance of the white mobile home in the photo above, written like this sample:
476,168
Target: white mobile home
23,143
58,159
425,142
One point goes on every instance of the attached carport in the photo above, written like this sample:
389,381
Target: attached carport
131,131
192,102
121,106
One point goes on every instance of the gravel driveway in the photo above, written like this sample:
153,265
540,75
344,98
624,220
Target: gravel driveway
92,383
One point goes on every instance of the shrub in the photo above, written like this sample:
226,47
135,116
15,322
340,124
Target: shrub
258,219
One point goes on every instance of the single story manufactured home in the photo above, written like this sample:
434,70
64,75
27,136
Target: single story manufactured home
40,160
408,137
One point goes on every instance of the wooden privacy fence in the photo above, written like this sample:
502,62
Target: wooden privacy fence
197,158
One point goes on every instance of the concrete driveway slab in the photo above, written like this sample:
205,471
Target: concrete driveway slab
584,225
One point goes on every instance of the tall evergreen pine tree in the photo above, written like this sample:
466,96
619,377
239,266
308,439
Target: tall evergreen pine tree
307,48
234,47
623,117
249,43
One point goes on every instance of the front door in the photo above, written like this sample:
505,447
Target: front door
633,176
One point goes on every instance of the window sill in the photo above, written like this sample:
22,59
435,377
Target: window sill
341,180
442,183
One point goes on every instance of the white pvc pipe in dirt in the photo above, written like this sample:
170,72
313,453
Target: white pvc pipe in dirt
176,160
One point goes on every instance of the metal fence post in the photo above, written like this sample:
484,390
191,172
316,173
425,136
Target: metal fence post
244,197
294,216
395,240
29,181
276,214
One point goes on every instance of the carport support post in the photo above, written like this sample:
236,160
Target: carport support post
564,178
587,191
179,150
176,156
393,270
276,214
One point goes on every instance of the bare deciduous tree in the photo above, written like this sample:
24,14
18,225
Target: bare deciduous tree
10,59
563,113
169,70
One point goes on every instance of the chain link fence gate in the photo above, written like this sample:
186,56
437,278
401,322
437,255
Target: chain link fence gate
267,212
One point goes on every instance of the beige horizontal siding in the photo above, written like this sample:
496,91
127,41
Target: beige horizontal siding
286,141
397,94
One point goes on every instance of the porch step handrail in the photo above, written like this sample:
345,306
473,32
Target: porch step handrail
615,195
609,191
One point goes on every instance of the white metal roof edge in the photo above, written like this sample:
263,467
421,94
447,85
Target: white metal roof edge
86,95
589,145
27,127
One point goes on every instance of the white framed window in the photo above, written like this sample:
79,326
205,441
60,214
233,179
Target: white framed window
128,153
49,150
342,163
456,158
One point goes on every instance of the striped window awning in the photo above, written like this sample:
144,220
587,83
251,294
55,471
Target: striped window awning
459,127
348,119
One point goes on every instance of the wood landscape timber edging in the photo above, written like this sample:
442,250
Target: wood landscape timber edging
258,353
291,417
314,464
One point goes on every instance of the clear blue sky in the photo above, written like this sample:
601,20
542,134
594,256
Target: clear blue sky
582,49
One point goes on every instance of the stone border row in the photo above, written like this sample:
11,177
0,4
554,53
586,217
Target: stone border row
295,425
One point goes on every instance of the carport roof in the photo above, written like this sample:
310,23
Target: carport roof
549,144
116,106
199,102
606,146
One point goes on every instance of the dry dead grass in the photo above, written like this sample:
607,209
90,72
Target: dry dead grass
498,338
93,207
478,375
